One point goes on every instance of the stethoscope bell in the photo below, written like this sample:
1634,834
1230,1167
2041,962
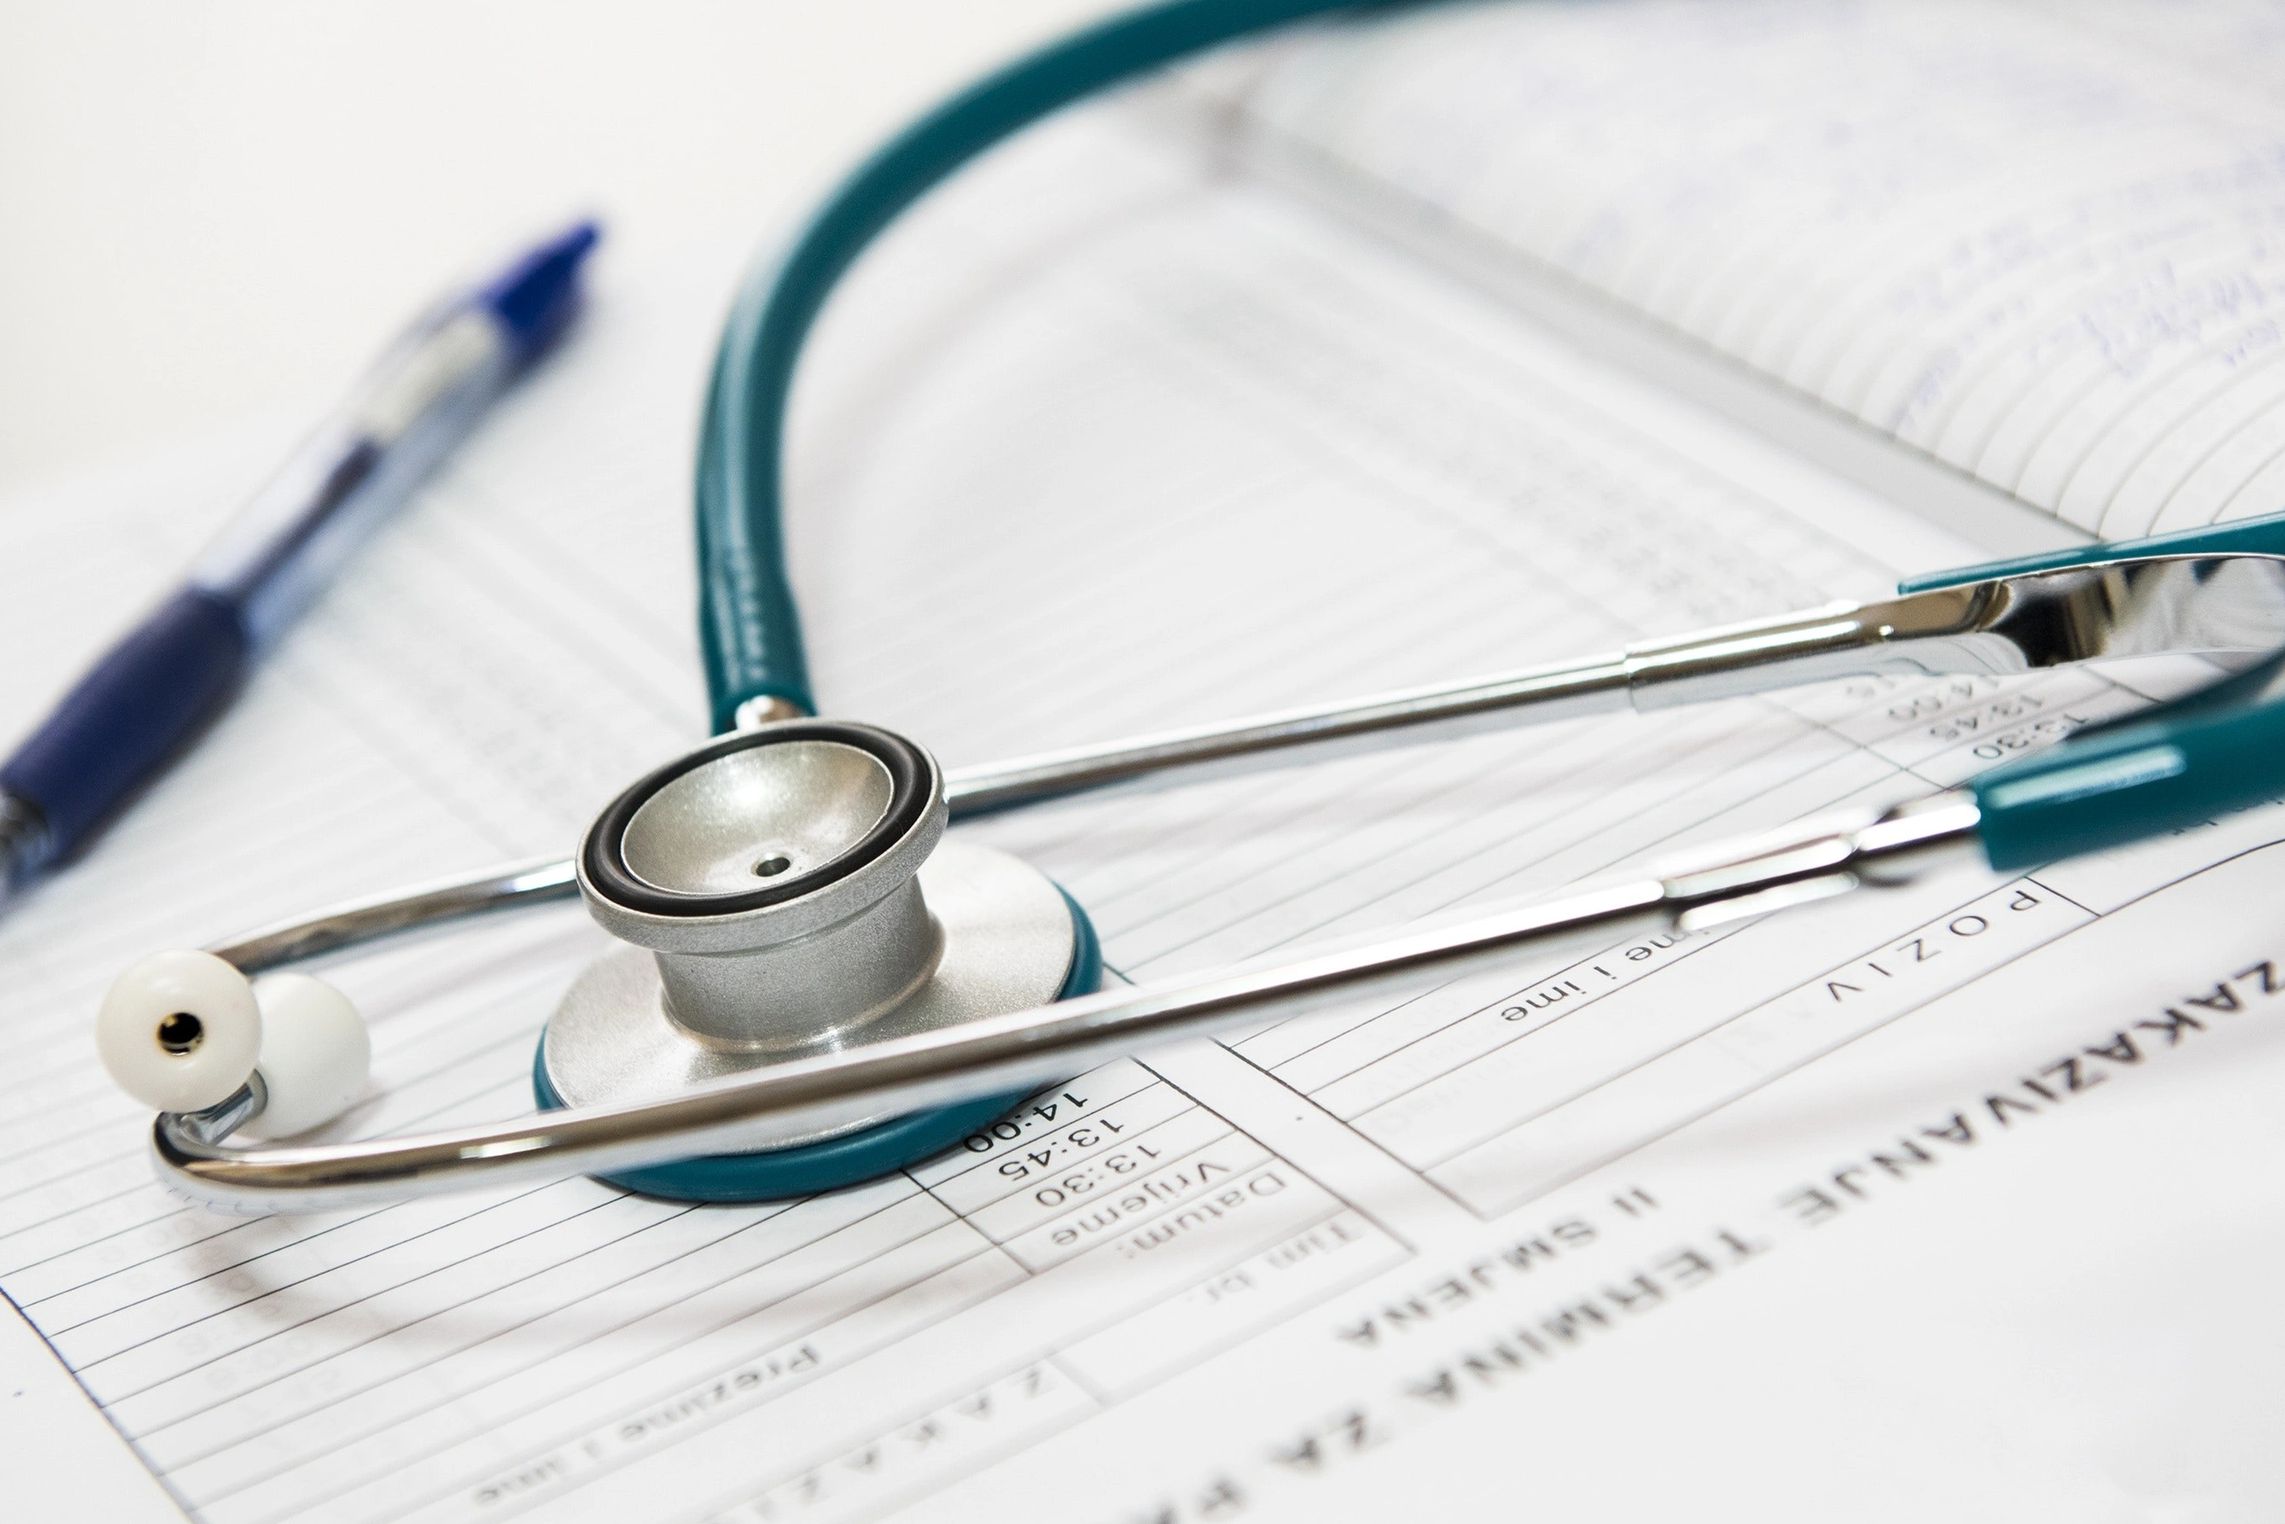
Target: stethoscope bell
787,892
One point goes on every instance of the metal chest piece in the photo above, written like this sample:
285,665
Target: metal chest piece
787,892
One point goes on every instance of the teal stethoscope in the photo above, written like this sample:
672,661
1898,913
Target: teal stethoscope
814,985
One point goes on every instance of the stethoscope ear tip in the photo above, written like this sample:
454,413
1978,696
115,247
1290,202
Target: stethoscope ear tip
316,1054
184,1030
179,1030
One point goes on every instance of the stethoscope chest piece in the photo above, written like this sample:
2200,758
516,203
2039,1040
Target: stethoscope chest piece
786,892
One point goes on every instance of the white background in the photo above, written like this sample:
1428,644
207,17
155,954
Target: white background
216,210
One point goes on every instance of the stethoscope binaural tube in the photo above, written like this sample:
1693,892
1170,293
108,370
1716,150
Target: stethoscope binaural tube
1023,1049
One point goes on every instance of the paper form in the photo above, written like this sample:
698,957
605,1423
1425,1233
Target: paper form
1611,1236
44,1413
2038,243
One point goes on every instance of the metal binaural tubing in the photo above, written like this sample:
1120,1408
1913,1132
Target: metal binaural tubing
1041,1045
1414,716
2134,606
1792,648
1801,647
507,887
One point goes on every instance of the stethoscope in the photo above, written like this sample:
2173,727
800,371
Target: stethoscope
815,985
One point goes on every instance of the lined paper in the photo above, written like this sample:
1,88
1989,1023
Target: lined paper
2036,242
1182,451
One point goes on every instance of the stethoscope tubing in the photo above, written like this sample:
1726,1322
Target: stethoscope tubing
748,622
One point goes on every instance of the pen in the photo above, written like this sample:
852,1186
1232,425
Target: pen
144,700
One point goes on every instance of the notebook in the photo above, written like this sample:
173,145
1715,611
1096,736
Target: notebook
1432,344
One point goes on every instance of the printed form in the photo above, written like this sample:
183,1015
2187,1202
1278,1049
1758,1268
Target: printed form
1952,1196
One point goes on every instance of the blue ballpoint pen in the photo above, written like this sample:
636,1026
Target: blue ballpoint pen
122,723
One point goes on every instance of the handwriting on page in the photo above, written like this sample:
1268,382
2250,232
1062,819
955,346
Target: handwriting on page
2046,254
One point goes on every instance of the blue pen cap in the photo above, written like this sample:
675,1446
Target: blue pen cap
534,297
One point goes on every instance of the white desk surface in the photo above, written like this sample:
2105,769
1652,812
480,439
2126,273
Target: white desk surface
216,210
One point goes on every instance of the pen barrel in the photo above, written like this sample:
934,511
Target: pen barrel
148,696
419,401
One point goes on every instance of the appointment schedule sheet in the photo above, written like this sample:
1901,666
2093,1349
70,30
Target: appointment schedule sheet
1951,1195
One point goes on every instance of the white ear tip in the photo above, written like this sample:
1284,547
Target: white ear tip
315,1054
179,1030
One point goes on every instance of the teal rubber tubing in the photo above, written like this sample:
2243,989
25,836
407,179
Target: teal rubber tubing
2182,764
749,627
2264,536
2218,751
